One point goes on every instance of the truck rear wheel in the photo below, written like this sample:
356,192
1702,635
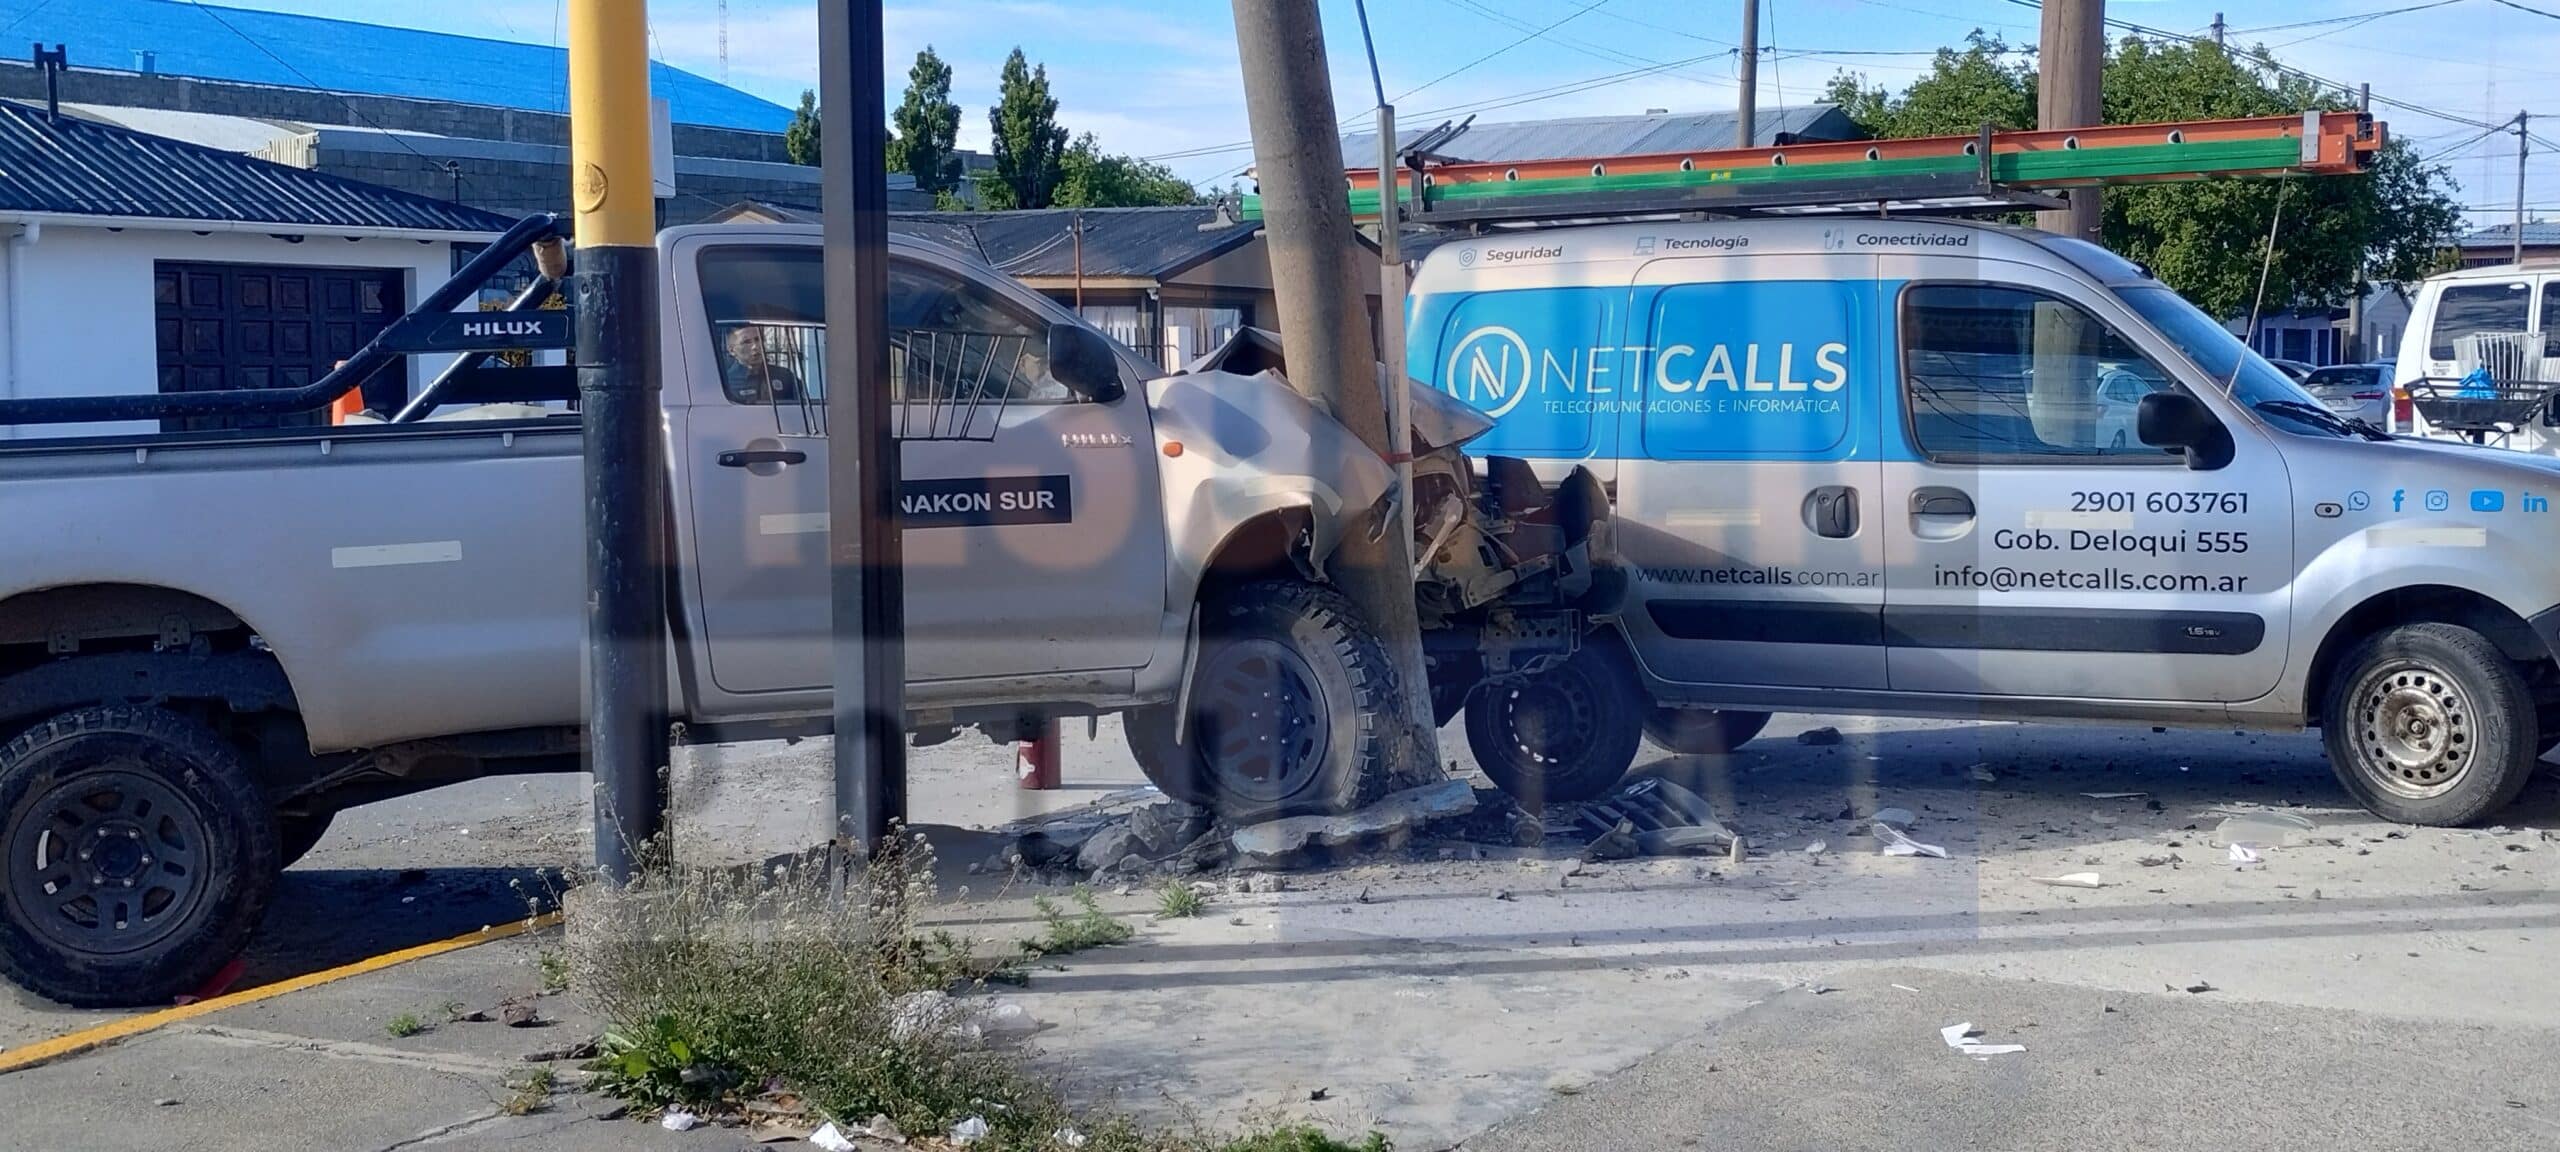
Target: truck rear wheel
1291,701
139,855
2430,724
1702,731
1566,734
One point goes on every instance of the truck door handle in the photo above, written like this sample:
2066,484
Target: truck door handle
1831,511
750,457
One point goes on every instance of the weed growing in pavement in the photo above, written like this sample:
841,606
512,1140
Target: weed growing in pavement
1089,927
554,966
1303,1138
529,1093
817,983
1178,901
404,1025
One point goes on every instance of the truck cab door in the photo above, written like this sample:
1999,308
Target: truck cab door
1033,540
1749,486
2035,547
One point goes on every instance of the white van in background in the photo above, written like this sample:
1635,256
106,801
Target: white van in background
2505,318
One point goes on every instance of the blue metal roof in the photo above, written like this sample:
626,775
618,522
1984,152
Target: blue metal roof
80,167
276,48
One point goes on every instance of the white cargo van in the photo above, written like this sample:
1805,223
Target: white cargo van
1951,469
2505,319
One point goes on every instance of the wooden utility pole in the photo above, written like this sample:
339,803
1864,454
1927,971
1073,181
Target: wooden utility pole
617,347
2069,55
1324,321
1747,104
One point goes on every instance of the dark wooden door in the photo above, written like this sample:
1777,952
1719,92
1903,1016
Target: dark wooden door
229,326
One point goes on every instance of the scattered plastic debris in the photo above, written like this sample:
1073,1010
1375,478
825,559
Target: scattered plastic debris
1982,774
1962,1038
1904,987
1898,817
2201,987
1897,844
2264,830
969,1131
882,1128
2244,854
2157,861
1067,1138
2115,795
1817,848
828,1138
679,1120
2072,880
1652,817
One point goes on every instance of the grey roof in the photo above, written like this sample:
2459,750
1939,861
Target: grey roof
1615,135
80,167
1128,242
2537,234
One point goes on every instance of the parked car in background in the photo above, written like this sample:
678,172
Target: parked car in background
2294,368
2356,391
2503,321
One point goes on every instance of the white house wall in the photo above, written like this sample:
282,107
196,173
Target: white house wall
85,324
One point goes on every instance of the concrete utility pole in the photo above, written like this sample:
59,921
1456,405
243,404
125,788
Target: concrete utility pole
863,546
617,347
2217,30
1324,321
1747,104
2524,147
2069,54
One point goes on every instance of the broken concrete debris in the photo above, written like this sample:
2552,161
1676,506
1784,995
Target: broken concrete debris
1301,840
1818,737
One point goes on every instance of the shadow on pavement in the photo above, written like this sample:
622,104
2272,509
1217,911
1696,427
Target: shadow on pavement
323,918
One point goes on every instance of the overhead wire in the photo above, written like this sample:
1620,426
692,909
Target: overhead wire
287,65
1471,64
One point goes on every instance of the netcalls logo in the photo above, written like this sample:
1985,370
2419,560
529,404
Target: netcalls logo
1494,369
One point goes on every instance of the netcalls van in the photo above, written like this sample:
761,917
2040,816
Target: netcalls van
1936,468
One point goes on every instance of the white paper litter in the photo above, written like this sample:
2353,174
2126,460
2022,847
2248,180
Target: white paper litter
827,1137
2115,795
1904,987
1897,844
1961,1037
2244,854
2072,880
969,1131
679,1120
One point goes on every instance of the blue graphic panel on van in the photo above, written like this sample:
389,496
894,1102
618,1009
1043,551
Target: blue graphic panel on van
1707,371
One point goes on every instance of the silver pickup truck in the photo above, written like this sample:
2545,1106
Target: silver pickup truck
211,642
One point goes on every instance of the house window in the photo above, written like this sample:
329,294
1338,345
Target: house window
226,327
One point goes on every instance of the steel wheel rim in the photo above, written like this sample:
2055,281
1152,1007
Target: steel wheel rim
1557,703
1262,730
107,861
2414,730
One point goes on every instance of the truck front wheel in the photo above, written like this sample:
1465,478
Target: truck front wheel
2430,724
1566,734
1291,701
139,856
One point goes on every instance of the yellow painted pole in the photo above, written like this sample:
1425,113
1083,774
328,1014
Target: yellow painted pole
617,330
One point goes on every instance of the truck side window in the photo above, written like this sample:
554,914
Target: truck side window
952,340
1991,372
2470,310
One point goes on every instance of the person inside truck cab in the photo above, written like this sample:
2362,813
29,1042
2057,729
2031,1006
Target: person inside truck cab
750,372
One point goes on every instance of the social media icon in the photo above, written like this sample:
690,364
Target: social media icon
2358,501
2399,496
2438,500
2533,503
2488,500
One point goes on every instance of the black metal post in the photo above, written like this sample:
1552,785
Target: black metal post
869,600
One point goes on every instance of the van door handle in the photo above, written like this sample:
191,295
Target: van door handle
750,457
1941,503
1831,511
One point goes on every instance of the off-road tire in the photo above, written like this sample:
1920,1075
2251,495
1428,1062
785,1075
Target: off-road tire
1566,734
2430,724
1701,731
1320,659
220,825
297,835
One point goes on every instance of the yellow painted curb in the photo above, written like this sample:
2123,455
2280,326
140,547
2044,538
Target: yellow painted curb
42,1051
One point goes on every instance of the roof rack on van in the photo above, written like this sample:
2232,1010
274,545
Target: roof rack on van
1935,175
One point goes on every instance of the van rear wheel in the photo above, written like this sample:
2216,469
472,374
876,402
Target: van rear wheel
2430,724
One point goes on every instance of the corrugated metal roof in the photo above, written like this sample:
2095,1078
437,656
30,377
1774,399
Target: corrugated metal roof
1615,135
1142,242
291,51
84,168
2537,234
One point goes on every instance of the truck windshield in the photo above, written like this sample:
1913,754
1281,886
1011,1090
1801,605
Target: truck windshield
2251,380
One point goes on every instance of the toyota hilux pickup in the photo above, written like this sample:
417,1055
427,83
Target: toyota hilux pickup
213,641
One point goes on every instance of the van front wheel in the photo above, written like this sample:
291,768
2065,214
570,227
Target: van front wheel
2430,724
1566,734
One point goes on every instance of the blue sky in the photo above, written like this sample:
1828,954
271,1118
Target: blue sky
1158,77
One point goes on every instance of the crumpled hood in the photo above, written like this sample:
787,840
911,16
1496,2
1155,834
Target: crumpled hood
1439,419
1252,443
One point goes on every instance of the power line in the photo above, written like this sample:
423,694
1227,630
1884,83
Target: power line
2353,19
2527,8
1534,34
25,16
315,85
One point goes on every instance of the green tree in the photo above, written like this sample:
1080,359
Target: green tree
2204,238
1029,144
1092,178
927,126
800,140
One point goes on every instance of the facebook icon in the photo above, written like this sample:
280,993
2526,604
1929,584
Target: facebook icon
2488,500
2399,496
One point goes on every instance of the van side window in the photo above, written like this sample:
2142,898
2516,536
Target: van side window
2468,310
951,339
1992,372
2551,320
